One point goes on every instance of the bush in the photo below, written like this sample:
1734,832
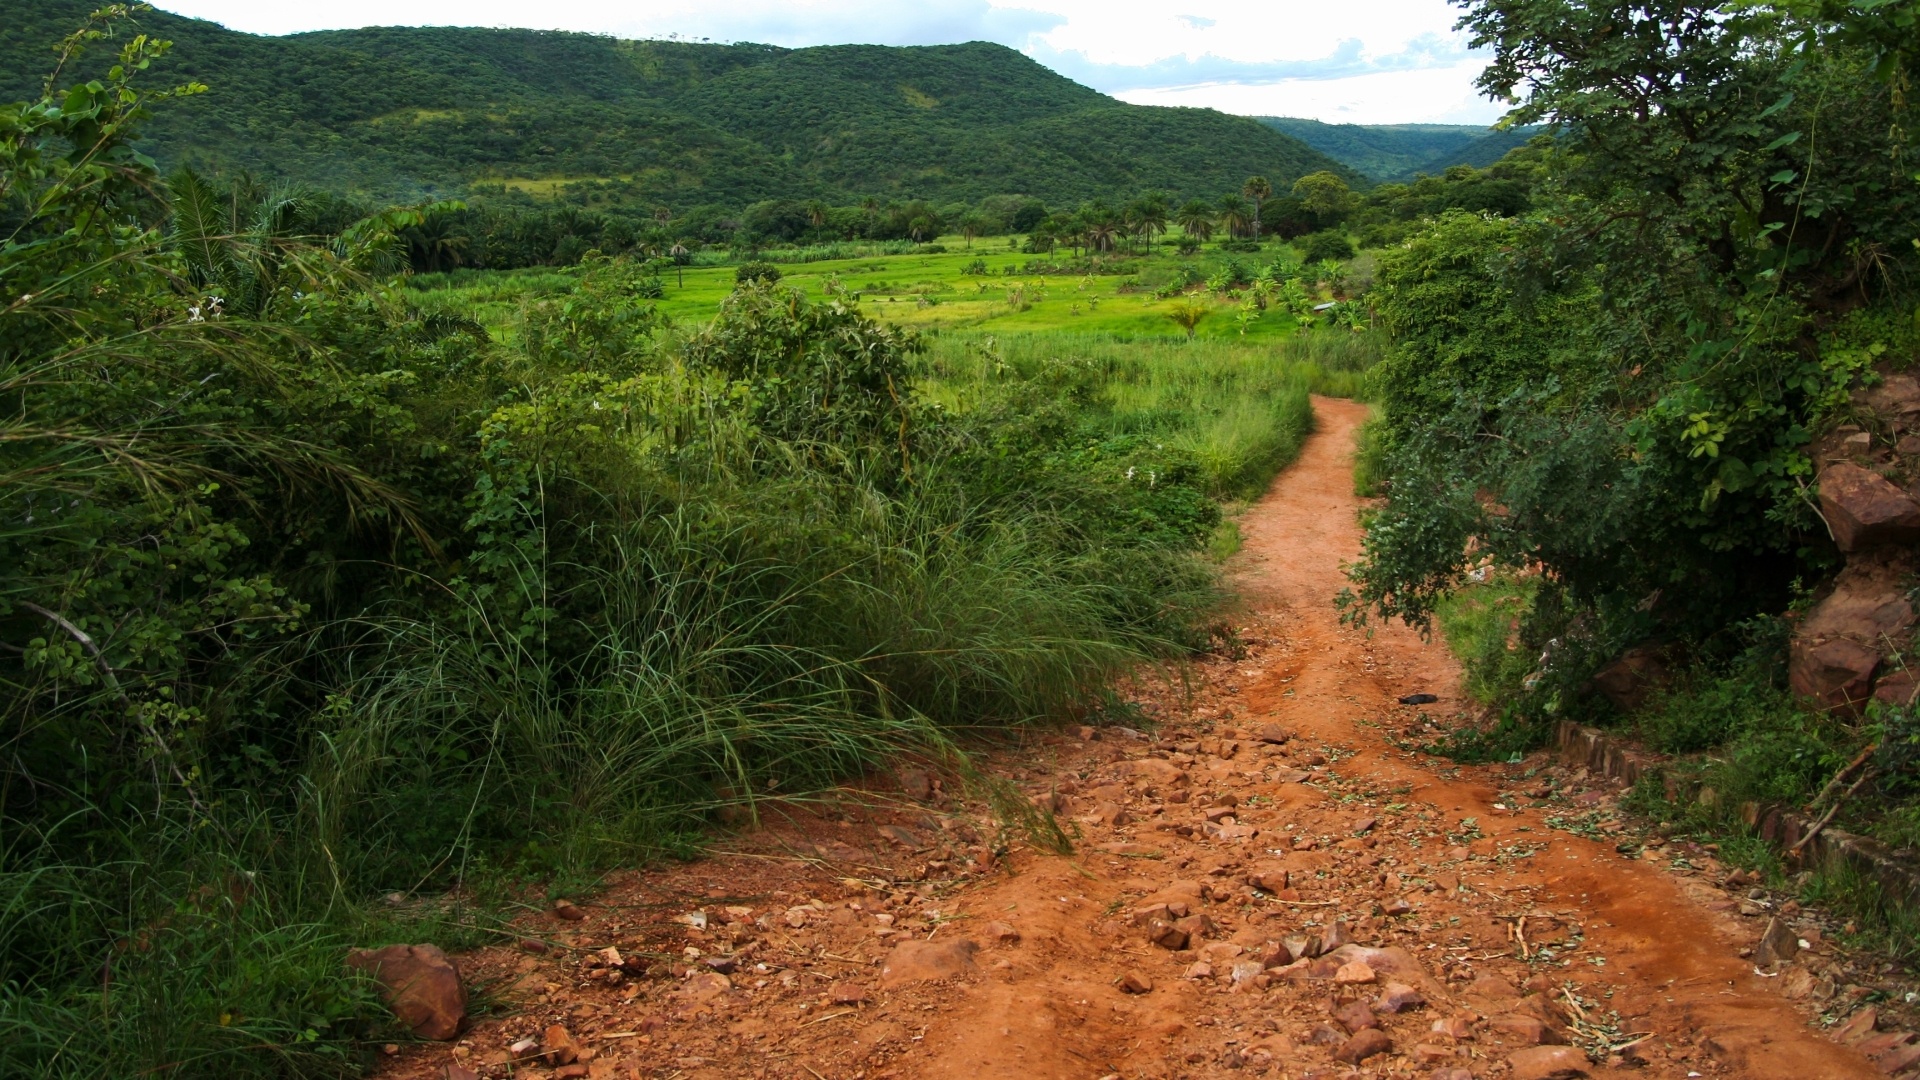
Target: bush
759,272
1321,246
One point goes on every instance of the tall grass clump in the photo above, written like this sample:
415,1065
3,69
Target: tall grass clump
309,597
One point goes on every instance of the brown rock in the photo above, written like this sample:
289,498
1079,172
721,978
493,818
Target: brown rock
1899,1059
1897,688
575,1071
1326,1035
704,986
420,984
917,961
1492,988
558,1047
568,910
845,993
1135,983
1530,1030
1451,1074
1196,926
1548,1063
1166,935
915,784
1332,938
1393,962
1835,675
1398,997
1427,1053
1778,944
1001,932
1274,734
1396,907
1362,1046
1858,1026
1301,947
458,1071
1457,1028
1838,645
1355,1016
1630,679
1354,972
1865,509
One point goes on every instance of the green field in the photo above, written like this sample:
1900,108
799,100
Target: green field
987,288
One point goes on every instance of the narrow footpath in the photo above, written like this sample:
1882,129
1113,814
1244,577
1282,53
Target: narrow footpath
1267,879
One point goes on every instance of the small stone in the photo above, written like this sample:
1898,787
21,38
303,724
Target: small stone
1355,1017
523,1049
1197,927
1427,1053
1274,734
1457,1028
1778,944
846,993
1530,1030
575,1071
558,1047
1451,1074
532,945
1001,932
1166,935
1491,987
915,785
1548,1063
1332,938
1301,947
918,961
1419,699
1246,971
1396,907
1364,826
568,910
1135,983
1363,1045
704,986
1324,1034
1858,1026
461,1072
1354,972
1398,998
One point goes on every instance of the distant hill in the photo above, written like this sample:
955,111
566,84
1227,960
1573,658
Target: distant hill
406,112
1398,151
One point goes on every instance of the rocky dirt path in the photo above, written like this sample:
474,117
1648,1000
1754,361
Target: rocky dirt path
1264,882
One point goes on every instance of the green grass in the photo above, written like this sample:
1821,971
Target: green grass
1015,294
1481,624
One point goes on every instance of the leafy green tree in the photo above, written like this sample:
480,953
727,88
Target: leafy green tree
1187,315
1234,216
1325,197
1195,219
1259,190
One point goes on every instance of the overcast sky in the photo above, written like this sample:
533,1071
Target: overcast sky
1359,61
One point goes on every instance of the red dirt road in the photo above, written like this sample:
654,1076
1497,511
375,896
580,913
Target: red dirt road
1508,928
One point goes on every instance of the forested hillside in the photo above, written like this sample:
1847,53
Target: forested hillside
406,112
1400,151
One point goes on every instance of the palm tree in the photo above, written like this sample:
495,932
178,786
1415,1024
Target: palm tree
816,213
971,226
1233,215
1257,189
871,207
1196,220
1101,230
1187,315
1153,216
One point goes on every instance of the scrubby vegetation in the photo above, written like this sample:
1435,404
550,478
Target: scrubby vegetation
319,586
1609,390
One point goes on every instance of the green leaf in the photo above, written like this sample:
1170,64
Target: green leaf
1784,101
1788,139
1784,176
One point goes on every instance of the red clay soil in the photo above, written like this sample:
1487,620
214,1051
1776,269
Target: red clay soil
1269,809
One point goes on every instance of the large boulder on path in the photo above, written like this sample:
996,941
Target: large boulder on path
920,961
1865,509
1838,648
420,984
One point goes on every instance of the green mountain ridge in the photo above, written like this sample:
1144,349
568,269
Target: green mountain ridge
400,112
1401,151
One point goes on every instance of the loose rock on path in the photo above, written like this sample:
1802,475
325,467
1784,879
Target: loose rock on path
1265,883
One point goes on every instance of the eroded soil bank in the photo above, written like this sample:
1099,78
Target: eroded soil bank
1495,928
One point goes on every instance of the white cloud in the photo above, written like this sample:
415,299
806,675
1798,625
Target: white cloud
1365,61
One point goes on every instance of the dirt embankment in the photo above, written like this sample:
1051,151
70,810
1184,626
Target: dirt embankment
1266,885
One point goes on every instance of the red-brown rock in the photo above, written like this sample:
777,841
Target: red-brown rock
1548,1063
1865,509
1836,675
918,961
1864,615
1530,1030
1364,1044
420,984
1629,680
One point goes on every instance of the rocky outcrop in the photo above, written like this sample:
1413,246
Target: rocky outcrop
1841,645
1630,680
1865,510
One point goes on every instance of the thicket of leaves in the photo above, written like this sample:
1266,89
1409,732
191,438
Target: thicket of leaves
1617,387
307,597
